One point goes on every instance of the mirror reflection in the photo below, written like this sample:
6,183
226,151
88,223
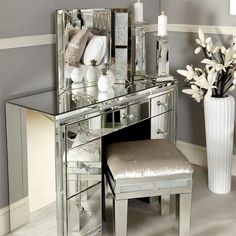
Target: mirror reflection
93,43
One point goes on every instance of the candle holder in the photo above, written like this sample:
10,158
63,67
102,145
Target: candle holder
162,55
139,48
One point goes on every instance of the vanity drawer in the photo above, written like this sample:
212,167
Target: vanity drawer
161,126
135,113
88,152
83,132
82,176
161,104
84,212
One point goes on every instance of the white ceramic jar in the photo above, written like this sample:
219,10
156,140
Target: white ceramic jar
77,75
111,75
92,75
104,83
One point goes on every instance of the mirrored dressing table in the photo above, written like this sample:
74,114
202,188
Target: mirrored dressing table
80,116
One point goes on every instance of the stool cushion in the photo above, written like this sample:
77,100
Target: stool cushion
146,158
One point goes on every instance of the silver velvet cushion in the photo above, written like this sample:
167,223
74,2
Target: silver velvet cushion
146,158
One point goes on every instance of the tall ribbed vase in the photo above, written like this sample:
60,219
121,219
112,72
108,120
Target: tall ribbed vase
219,126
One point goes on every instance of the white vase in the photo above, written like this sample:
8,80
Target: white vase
219,126
104,83
111,75
92,75
77,75
103,96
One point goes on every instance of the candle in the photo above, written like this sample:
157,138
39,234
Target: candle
138,11
162,25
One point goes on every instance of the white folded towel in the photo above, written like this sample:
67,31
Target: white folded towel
95,50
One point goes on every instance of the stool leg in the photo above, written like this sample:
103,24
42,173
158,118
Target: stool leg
120,208
165,204
106,200
183,208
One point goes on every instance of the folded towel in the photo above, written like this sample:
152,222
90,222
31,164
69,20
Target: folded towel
95,50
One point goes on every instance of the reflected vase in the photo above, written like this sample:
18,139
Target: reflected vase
92,75
219,125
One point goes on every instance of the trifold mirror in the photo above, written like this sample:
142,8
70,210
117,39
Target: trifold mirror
92,37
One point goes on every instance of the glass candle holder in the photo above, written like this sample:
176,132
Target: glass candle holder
162,55
139,48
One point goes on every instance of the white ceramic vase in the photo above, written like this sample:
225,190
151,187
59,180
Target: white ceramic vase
219,126
104,83
92,75
77,75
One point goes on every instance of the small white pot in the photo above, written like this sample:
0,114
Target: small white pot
77,75
111,75
219,126
104,83
103,96
92,75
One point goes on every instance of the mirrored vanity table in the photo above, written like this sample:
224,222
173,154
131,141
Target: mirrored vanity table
55,139
81,117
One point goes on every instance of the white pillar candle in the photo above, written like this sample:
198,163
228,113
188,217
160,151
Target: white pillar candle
138,11
162,25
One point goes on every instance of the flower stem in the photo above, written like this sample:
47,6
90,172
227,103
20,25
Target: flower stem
223,80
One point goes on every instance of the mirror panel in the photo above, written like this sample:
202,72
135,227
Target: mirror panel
92,37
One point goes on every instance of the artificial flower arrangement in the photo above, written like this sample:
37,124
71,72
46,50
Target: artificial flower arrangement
218,77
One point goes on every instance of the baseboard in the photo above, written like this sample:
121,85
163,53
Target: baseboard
19,216
4,221
19,213
198,155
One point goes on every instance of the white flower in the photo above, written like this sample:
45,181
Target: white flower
197,94
189,73
211,78
234,80
232,87
197,50
222,49
213,63
216,49
208,40
207,83
201,35
201,40
209,47
228,58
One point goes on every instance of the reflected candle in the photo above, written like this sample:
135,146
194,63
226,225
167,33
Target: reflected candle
138,11
162,25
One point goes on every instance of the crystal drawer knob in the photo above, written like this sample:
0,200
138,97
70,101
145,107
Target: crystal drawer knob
159,131
84,166
131,117
125,116
159,103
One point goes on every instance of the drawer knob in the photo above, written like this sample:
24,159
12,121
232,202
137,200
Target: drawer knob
131,117
159,131
125,116
82,165
159,103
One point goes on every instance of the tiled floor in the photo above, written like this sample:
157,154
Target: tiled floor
212,215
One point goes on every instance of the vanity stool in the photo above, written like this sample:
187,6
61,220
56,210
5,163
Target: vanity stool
148,168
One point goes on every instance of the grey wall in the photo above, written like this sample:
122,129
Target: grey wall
190,125
31,69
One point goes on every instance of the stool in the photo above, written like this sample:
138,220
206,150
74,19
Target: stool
148,168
